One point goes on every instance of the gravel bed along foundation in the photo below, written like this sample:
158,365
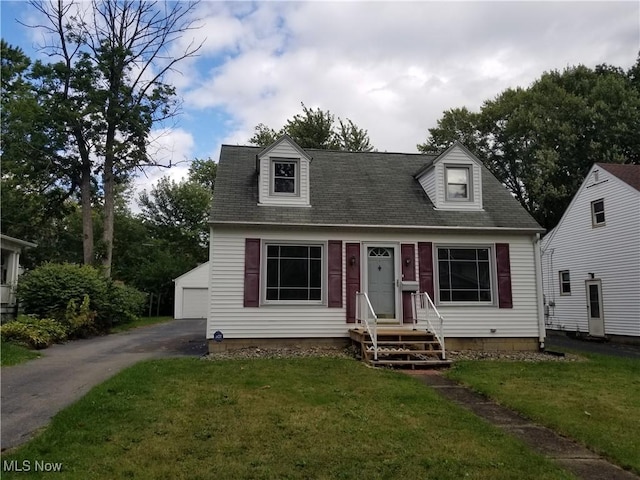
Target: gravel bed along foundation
351,352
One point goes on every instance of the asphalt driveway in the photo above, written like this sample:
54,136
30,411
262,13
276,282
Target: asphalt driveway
562,343
35,391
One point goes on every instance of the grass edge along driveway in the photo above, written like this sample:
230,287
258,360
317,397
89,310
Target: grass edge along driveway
325,418
595,401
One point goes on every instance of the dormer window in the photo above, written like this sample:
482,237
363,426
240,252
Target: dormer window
284,174
458,183
285,177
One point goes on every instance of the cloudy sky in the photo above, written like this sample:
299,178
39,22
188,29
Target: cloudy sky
391,67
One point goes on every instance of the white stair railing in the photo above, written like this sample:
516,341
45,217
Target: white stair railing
423,310
366,316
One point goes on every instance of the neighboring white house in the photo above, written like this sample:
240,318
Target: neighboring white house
10,252
591,260
295,233
192,293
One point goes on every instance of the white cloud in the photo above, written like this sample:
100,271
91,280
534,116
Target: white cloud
169,148
393,68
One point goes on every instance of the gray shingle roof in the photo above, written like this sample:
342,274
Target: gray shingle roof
355,188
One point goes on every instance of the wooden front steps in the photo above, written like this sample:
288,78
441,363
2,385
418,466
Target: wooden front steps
400,348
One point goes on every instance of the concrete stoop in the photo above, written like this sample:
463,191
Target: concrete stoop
572,456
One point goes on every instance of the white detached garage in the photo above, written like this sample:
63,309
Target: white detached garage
192,293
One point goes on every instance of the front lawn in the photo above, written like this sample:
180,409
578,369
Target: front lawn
596,401
11,354
320,418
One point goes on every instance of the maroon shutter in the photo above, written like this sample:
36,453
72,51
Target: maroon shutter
408,259
503,266
425,265
252,272
335,274
353,278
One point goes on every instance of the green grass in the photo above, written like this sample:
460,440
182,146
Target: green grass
140,322
320,418
596,401
11,354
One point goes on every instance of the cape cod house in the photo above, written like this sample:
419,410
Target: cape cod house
591,259
312,245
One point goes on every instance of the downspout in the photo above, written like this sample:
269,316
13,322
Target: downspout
538,266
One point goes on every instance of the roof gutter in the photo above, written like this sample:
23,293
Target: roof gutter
530,230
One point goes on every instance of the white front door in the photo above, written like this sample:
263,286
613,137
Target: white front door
594,308
381,281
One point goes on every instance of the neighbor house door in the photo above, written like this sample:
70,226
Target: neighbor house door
594,308
381,281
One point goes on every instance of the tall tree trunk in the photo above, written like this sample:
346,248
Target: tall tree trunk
85,197
87,218
109,207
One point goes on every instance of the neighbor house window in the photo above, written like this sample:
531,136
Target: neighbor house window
464,274
565,282
597,212
458,183
294,273
285,174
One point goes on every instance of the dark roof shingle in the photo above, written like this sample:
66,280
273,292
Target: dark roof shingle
355,188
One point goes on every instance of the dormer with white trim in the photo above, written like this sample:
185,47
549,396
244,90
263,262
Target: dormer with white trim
283,174
453,181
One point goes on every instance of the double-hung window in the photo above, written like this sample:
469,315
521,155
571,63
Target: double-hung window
294,273
285,174
458,183
597,212
464,274
565,282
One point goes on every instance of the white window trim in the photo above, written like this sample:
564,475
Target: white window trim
469,169
561,282
272,176
263,274
595,223
493,276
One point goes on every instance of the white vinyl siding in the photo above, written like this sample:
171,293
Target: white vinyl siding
428,182
283,152
611,253
228,315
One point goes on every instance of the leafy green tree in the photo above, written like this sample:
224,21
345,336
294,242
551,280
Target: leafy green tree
109,88
541,141
178,212
316,129
203,172
35,183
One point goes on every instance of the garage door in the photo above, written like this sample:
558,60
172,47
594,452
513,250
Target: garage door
194,302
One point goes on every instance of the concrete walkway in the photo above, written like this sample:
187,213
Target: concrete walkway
35,391
569,454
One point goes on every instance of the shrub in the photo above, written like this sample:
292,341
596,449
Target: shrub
55,290
80,321
47,290
33,332
125,303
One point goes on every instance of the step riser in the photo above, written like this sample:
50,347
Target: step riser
401,349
